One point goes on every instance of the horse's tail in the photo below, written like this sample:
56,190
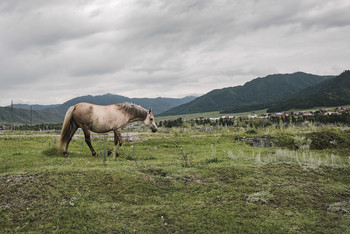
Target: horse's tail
66,128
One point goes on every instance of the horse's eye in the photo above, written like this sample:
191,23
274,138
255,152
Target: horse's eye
151,119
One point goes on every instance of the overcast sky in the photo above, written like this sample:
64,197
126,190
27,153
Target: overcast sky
52,51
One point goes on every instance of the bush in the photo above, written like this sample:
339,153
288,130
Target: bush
327,140
284,141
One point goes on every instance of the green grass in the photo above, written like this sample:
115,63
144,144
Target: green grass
216,183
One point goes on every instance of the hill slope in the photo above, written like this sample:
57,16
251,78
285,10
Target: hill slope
259,91
332,92
22,116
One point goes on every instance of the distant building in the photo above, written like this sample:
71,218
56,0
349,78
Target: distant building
308,114
278,114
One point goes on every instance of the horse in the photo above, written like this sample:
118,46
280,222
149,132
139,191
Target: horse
102,119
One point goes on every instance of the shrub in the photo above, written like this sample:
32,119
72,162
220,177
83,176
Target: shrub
284,141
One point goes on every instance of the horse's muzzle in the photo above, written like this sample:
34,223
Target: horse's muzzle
154,129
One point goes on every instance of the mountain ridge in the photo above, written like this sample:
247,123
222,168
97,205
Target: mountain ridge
158,104
257,92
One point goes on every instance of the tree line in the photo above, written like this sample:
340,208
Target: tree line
343,118
36,127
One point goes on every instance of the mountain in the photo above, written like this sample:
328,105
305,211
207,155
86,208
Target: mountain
252,95
332,92
99,100
158,104
56,113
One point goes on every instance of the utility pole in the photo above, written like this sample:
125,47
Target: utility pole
11,115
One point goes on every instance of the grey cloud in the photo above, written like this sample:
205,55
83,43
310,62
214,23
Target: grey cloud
161,48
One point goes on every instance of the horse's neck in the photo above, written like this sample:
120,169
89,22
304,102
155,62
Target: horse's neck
135,117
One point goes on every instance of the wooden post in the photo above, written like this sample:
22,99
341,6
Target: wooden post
11,115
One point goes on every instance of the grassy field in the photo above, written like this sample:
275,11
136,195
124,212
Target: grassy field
201,180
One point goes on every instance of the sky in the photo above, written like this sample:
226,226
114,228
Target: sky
52,51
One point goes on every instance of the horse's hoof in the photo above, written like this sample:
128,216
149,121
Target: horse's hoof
109,152
65,154
94,154
116,154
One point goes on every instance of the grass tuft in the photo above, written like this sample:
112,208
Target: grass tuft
340,207
261,197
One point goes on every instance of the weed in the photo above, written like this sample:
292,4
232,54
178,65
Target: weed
258,158
186,159
213,158
302,143
306,160
230,154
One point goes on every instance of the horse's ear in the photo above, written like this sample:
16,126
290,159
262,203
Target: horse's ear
150,110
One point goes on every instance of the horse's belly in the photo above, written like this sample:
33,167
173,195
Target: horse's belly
105,123
101,127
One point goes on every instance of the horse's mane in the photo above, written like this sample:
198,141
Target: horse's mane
134,110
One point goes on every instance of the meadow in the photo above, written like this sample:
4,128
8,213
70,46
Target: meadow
202,179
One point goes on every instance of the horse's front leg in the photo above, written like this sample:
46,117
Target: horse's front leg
118,141
88,142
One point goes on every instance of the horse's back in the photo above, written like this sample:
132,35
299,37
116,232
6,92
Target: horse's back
88,108
96,117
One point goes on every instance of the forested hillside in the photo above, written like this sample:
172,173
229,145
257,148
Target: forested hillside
332,92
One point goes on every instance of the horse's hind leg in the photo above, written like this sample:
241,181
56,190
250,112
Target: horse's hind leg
88,142
118,141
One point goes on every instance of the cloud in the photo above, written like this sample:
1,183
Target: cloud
55,50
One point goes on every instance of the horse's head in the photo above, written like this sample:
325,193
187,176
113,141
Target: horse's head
149,121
